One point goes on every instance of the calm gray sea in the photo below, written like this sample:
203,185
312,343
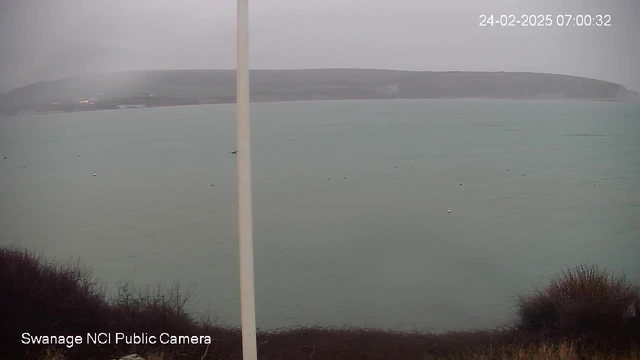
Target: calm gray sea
350,203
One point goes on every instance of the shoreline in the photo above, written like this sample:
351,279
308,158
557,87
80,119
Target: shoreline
530,99
58,305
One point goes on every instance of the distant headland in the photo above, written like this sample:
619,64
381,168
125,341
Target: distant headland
100,91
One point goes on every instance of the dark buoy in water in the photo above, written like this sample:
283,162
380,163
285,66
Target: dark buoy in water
396,167
345,177
5,158
78,155
329,179
507,169
24,167
234,152
522,174
460,184
213,184
412,167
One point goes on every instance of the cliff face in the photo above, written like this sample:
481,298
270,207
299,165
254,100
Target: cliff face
181,87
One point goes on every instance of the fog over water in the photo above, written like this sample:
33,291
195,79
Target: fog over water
44,40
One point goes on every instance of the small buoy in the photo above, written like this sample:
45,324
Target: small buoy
412,167
460,184
95,174
5,158
507,169
522,174
345,177
213,184
594,184
449,211
329,179
396,167
24,167
78,155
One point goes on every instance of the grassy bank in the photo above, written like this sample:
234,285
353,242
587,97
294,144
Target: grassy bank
585,313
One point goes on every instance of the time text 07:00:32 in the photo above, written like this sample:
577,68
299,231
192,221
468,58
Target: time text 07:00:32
546,20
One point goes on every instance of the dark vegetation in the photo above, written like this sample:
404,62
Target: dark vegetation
585,307
188,87
584,302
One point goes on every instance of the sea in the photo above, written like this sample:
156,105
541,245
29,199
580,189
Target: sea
430,215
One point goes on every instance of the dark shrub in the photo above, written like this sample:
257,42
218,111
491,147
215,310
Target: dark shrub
42,297
585,303
136,310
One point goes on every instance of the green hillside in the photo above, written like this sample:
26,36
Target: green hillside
183,87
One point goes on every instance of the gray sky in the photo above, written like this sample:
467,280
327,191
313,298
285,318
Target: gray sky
50,39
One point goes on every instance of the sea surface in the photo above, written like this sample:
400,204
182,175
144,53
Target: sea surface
351,203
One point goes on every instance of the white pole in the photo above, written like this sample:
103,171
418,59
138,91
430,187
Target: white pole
245,217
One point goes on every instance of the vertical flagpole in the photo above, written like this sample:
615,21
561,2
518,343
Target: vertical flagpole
245,217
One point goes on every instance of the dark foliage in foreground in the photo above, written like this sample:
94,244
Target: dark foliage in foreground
42,297
46,298
585,303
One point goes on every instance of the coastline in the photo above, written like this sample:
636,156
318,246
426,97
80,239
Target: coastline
532,99
157,88
58,311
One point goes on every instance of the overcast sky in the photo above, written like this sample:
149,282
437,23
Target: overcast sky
51,39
